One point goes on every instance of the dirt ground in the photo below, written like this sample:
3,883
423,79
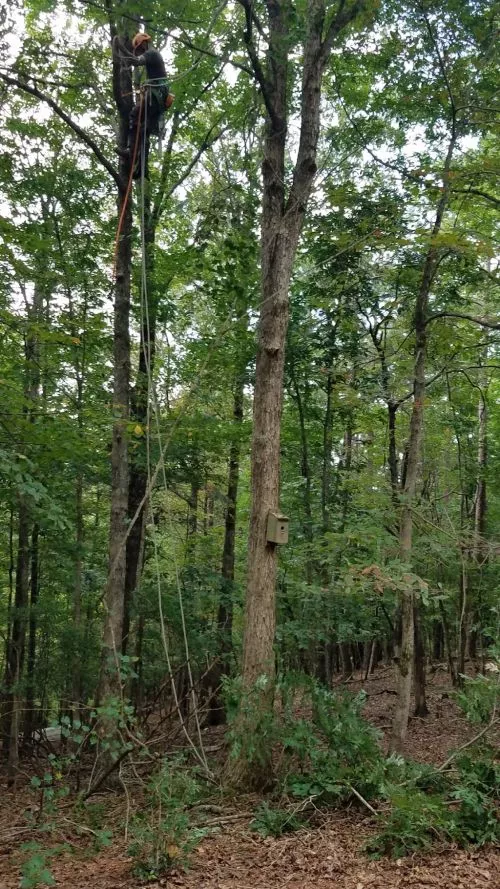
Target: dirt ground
326,855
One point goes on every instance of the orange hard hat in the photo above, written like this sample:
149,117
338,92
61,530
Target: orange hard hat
139,39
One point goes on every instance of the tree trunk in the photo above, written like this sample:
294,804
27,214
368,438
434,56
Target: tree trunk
346,660
463,615
437,644
138,478
404,675
447,645
16,646
479,554
281,225
480,498
393,454
4,705
421,708
110,682
379,341
222,667
137,685
14,667
30,718
76,681
327,465
192,520
306,475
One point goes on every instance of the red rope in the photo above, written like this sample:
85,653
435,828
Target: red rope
129,186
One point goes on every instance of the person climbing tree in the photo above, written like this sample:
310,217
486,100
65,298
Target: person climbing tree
151,104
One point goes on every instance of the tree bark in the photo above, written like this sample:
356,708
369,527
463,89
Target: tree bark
378,339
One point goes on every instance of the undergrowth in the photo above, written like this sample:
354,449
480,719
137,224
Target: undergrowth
328,757
163,835
332,757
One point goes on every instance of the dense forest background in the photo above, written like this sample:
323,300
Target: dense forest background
293,313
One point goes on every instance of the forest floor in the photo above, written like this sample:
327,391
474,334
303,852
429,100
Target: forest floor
328,853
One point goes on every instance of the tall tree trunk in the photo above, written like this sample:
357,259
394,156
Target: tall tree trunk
463,614
114,594
76,680
14,667
30,720
393,454
222,667
306,475
480,498
138,479
344,471
16,646
225,612
447,645
477,554
404,673
379,341
137,685
327,462
281,225
471,554
79,364
421,708
4,733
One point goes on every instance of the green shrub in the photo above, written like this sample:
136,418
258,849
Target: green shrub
336,751
476,792
461,808
275,822
334,757
415,820
478,697
162,834
35,869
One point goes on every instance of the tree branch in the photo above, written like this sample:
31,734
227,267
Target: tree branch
342,18
178,120
483,322
256,65
138,20
479,193
487,728
441,64
205,145
34,91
